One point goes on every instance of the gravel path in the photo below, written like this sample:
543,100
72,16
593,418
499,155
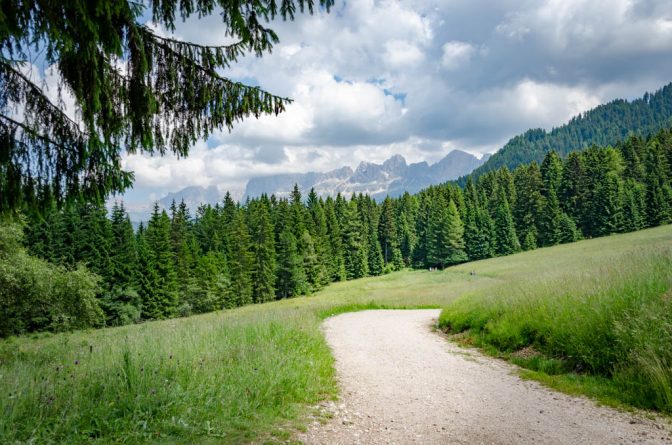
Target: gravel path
401,383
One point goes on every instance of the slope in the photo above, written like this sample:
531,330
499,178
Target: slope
604,125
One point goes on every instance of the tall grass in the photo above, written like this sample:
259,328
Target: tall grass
595,306
611,320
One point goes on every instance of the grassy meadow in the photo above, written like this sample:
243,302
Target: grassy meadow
591,317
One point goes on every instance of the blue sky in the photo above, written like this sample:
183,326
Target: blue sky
420,78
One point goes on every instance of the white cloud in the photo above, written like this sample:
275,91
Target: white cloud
455,54
420,78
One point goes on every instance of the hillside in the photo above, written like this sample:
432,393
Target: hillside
238,375
604,125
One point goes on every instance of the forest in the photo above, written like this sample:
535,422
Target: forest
102,272
604,125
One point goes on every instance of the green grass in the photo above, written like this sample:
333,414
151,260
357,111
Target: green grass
253,372
598,323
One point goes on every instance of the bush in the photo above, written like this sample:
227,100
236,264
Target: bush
36,295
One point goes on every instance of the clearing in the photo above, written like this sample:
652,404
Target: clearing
403,383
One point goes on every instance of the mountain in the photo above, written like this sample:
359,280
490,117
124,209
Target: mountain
604,125
192,196
393,177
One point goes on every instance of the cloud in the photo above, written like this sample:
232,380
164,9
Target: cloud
455,54
420,78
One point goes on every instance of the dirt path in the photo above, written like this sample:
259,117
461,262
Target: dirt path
401,383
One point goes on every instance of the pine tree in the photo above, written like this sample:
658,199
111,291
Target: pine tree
568,232
607,206
551,219
387,233
311,265
529,208
478,226
163,300
169,94
452,237
551,173
658,193
147,278
336,255
208,291
318,231
406,217
356,262
263,252
506,240
571,193
240,263
93,242
291,277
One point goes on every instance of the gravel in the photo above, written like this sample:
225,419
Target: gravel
402,383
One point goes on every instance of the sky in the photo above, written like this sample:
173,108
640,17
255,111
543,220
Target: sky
419,78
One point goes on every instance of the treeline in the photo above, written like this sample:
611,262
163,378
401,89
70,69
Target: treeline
234,254
604,125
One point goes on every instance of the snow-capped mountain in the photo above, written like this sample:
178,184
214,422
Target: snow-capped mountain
393,177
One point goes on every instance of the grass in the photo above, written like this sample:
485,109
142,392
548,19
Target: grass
252,373
599,323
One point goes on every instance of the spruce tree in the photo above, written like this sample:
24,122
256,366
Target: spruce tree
134,90
506,240
568,231
355,256
607,206
572,191
551,219
240,263
551,172
336,255
658,192
291,277
452,237
262,239
388,233
164,299
318,231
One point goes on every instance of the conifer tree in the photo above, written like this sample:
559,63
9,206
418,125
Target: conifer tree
209,289
658,192
527,212
607,206
162,302
240,263
147,278
506,240
452,237
134,90
94,239
263,252
387,232
406,217
551,218
356,261
336,255
317,228
568,231
291,277
572,189
551,172
478,226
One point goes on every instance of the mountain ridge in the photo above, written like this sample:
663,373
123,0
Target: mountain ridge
604,125
393,177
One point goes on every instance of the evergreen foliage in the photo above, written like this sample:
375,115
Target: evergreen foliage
133,89
269,248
